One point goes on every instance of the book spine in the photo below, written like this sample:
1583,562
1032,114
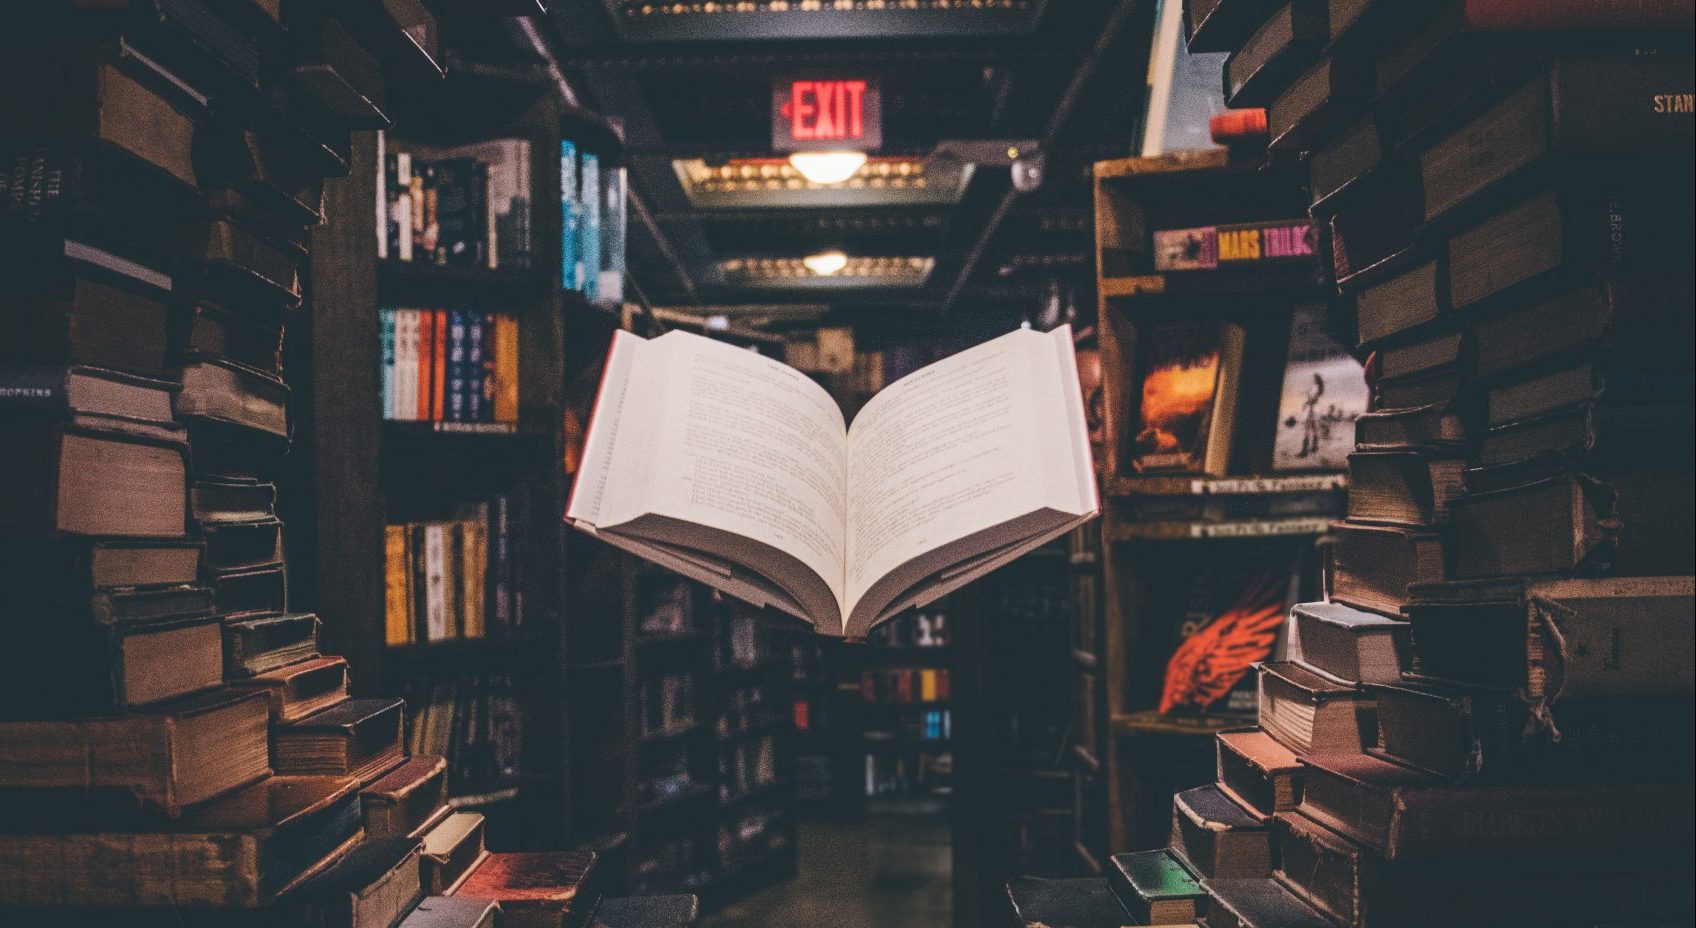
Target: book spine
482,225
405,207
506,366
455,395
385,183
438,363
570,217
589,232
396,626
501,568
437,620
388,355
487,380
32,388
453,576
613,222
474,406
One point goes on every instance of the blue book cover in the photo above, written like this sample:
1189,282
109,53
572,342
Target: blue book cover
388,343
476,409
455,393
571,212
589,234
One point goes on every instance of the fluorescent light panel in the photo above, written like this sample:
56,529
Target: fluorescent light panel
756,183
856,271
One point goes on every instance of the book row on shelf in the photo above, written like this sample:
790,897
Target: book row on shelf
1485,720
161,191
910,685
465,206
474,723
927,628
449,365
593,211
454,579
916,775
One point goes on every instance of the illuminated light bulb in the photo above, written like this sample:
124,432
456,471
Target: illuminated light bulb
826,263
827,167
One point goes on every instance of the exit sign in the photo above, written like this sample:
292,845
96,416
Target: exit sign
813,114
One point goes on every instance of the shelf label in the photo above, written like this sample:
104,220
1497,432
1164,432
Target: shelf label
1303,483
1260,529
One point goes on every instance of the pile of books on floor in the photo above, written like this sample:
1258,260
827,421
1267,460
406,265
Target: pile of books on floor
1488,722
173,746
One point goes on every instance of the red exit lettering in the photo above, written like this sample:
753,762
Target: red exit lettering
826,110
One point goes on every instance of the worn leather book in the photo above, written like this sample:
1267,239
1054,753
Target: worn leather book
83,93
299,690
409,800
106,480
251,338
1348,644
237,264
1374,226
1222,25
1355,888
1560,640
360,738
1586,106
166,759
1263,776
69,316
1319,103
1414,488
341,74
236,546
1283,45
232,394
452,849
1433,75
261,645
1437,427
452,912
240,852
245,592
1407,816
374,886
1569,231
1629,524
1493,735
255,163
1258,904
1309,714
1619,320
1071,903
1571,436
1216,837
548,889
64,666
677,911
1439,352
1155,887
1335,165
1412,298
1373,565
78,564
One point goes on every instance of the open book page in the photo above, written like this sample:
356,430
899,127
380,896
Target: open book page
699,444
969,458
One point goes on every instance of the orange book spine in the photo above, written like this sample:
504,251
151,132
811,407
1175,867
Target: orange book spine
426,346
438,364
506,368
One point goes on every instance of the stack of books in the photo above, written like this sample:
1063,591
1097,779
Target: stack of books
173,743
1486,721
467,206
593,211
449,366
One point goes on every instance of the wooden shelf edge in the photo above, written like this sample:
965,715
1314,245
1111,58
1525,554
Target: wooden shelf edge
1252,485
1154,724
1206,530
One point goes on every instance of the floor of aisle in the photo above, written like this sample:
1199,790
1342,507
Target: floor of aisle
876,871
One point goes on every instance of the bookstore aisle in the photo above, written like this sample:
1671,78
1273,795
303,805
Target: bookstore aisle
847,463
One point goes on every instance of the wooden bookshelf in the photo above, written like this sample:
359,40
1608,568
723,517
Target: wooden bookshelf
1159,531
362,471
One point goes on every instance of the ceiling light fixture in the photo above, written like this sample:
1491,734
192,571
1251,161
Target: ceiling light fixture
826,263
828,167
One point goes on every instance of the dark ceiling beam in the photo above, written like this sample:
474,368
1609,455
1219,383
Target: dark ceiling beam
885,56
1123,15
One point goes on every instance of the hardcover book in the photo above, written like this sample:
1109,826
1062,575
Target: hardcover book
360,738
1210,248
1217,838
766,495
167,759
1373,566
408,800
299,690
1186,405
1324,393
241,852
1261,775
1156,887
1310,714
1348,644
1258,904
535,890
452,912
372,887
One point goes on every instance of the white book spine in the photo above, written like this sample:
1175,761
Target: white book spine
382,199
437,625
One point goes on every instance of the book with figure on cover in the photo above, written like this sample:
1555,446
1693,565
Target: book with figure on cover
740,472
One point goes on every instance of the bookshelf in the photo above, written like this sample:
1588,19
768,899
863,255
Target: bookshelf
683,721
364,469
1174,547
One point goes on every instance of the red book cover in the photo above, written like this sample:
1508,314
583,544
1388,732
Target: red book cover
426,347
438,365
1238,126
548,881
1578,15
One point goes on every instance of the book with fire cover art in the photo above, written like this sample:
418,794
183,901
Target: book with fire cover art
1187,398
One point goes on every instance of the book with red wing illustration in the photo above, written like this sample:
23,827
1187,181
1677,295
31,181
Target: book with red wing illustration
1233,617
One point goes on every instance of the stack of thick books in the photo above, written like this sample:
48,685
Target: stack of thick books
1487,723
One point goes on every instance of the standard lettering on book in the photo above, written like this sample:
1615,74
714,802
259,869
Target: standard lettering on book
1675,103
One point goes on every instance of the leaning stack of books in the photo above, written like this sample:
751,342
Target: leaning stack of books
1487,721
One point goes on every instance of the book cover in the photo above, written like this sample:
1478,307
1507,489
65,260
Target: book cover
439,365
1209,248
589,232
571,218
1187,398
1231,620
1324,392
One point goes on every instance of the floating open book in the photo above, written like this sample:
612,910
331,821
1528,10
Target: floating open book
740,472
